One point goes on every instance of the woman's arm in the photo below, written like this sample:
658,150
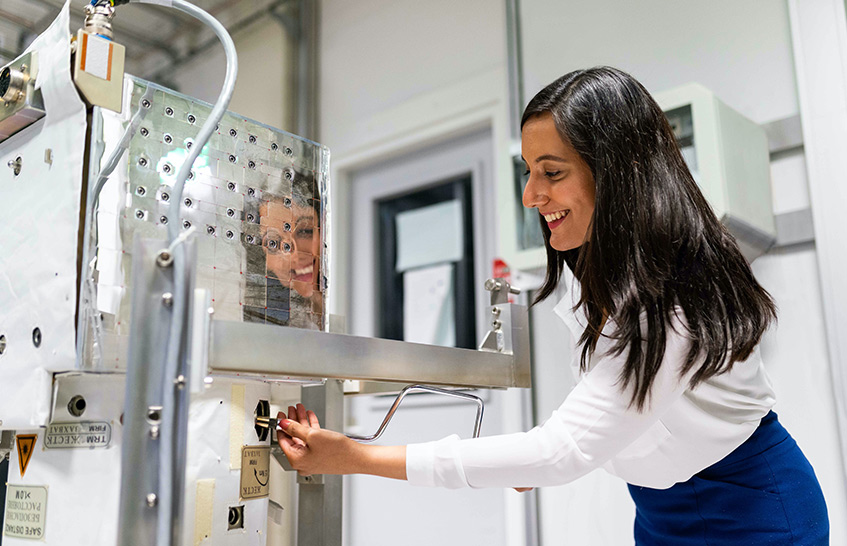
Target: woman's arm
313,450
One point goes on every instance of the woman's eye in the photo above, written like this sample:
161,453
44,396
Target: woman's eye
552,174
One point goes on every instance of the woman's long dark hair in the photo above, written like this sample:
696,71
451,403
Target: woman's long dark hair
653,242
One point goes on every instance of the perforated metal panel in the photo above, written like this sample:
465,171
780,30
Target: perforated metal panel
256,198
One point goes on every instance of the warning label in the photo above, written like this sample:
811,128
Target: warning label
26,444
255,471
26,509
81,434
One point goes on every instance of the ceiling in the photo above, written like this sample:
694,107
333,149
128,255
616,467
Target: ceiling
156,38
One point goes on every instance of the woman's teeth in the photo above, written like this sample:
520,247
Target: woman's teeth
305,271
553,216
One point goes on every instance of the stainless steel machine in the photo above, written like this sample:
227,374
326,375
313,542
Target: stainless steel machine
163,268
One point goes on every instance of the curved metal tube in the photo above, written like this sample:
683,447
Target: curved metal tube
480,406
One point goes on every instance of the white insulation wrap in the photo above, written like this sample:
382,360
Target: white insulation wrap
39,232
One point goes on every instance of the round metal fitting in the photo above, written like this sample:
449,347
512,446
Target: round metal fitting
15,165
286,247
36,337
167,138
140,191
151,500
154,432
251,164
188,202
250,217
495,311
165,258
145,103
191,175
210,230
166,168
76,406
154,415
232,158
286,226
288,151
497,324
2,344
139,214
249,239
188,144
163,220
12,84
286,201
288,174
166,197
230,212
169,111
252,139
186,224
168,300
230,186
251,192
274,146
233,132
191,119
144,132
142,161
229,234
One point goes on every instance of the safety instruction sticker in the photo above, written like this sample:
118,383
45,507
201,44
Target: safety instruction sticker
26,511
26,445
255,471
79,434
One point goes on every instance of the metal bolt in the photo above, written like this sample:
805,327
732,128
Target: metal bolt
288,151
187,202
168,138
139,214
140,191
142,161
191,175
210,230
286,201
169,111
272,244
495,311
252,139
250,217
15,165
251,192
286,226
497,324
186,224
151,500
144,132
165,258
230,186
286,247
154,432
164,220
180,381
229,234
2,344
274,146
166,196
166,168
36,337
230,212
249,239
232,158
288,174
188,144
168,300
251,164
233,132
145,103
191,119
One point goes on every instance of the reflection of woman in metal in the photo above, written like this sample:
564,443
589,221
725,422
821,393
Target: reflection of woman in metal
673,396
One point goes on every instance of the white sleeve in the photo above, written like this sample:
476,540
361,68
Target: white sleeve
593,424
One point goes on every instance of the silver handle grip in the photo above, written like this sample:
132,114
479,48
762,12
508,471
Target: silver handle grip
480,406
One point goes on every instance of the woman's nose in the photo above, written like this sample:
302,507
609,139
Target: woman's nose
533,194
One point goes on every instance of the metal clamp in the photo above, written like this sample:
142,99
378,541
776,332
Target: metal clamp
500,290
480,406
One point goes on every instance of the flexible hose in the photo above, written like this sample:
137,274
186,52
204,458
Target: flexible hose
167,453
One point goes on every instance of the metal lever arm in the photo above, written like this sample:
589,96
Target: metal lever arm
423,388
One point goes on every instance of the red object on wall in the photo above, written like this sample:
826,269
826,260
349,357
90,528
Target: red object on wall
500,269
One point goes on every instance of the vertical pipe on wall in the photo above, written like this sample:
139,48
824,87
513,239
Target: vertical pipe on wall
306,102
514,62
819,36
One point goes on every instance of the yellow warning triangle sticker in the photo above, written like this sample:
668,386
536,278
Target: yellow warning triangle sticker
26,445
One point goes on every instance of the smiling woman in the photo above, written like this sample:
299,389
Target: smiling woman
672,396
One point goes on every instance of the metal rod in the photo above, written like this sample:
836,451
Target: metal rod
480,407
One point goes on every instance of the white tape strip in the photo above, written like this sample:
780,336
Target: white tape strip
203,510
236,426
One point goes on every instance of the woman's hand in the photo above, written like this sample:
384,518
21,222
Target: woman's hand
313,450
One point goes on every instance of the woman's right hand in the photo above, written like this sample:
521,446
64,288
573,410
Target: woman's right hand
313,450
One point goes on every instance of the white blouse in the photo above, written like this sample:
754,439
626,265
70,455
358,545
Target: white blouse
682,431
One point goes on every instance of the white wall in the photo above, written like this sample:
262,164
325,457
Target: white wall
393,70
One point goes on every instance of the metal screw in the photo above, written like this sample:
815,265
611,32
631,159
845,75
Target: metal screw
145,103
191,175
2,344
187,202
169,111
151,500
232,158
166,168
495,311
272,245
154,432
188,144
233,132
286,247
186,224
168,300
217,127
36,337
191,119
230,186
288,151
166,197
230,212
251,164
210,230
229,234
180,381
140,191
288,174
15,165
164,220
165,258
286,226
497,324
142,161
139,214
249,239
252,139
286,201
250,217
251,192
144,132
274,146
168,138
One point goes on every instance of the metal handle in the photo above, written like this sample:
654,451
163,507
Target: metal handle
480,406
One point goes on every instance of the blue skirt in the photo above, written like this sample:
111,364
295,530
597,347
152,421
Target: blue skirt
764,492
